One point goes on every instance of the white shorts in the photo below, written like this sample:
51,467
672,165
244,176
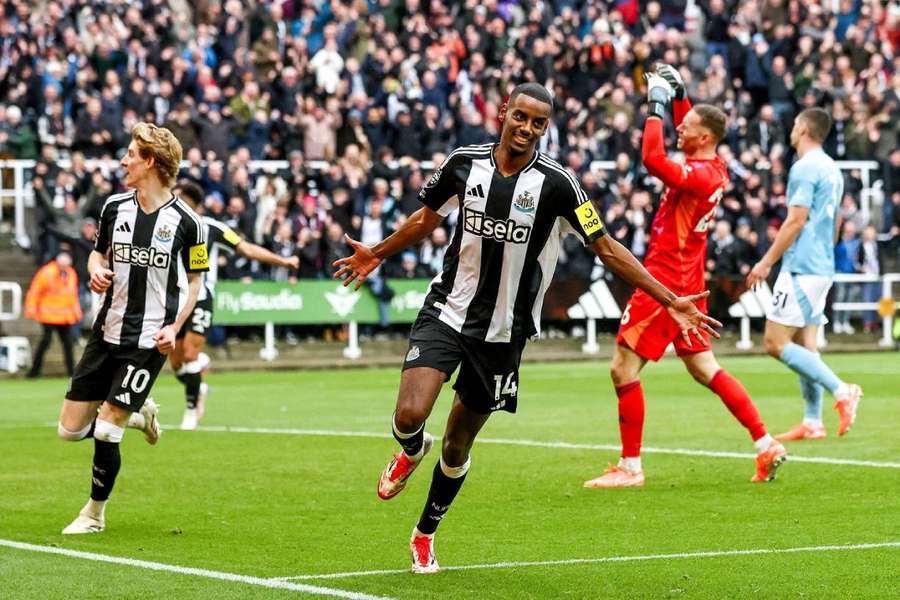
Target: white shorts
799,300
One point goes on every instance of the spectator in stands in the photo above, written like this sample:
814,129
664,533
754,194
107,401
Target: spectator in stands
868,261
845,261
341,82
52,301
21,140
93,132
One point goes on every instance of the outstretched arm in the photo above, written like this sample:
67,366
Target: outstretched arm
789,232
254,252
366,259
682,309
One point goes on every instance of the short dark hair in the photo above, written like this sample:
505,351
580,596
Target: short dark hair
818,121
191,191
713,119
533,90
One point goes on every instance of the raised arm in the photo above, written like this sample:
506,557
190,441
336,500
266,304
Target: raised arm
653,154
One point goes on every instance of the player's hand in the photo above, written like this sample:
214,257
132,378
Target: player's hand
759,272
165,339
690,320
292,262
671,75
658,89
357,266
101,279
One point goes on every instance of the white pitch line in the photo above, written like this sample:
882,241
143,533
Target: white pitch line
606,559
560,445
222,576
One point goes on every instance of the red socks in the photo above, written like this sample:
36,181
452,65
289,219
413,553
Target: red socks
631,417
735,397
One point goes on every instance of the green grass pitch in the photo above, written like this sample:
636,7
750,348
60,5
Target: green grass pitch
266,503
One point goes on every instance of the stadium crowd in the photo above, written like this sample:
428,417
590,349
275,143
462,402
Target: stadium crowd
361,97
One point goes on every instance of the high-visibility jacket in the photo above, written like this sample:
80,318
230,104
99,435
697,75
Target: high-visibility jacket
53,296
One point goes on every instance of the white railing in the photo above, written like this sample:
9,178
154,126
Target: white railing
753,303
11,310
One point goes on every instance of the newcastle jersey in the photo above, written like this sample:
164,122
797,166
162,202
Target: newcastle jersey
218,237
505,248
151,255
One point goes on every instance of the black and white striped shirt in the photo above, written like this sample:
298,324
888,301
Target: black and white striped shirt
218,236
505,248
151,255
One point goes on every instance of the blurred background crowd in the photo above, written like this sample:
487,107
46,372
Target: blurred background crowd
362,97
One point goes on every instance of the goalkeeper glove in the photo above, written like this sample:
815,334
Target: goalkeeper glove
671,74
659,94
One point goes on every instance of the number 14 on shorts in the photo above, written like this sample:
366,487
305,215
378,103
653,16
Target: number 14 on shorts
504,386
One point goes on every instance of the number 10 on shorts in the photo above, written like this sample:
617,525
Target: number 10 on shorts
504,388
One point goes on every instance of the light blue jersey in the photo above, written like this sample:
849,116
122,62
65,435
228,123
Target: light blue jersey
815,182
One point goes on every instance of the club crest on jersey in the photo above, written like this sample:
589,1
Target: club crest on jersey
524,202
413,354
163,234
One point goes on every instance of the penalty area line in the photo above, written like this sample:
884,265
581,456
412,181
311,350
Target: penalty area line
822,460
219,575
607,559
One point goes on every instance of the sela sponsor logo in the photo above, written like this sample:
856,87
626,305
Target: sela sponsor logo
524,202
141,257
482,225
163,234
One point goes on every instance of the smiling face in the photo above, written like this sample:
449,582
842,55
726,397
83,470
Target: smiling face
692,135
524,120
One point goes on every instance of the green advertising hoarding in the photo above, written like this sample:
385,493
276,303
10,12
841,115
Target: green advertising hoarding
312,301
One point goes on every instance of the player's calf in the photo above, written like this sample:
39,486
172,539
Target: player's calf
106,463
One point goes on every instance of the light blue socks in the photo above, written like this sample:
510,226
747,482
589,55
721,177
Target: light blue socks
812,396
809,364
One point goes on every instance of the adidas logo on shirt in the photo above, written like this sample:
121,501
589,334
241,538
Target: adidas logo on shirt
124,398
476,191
124,227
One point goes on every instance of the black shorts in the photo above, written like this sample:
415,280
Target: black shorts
488,377
201,318
118,375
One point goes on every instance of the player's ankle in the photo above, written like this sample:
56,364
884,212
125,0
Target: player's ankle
631,464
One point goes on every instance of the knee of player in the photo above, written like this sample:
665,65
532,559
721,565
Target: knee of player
190,353
105,431
70,435
621,375
409,417
773,345
454,451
